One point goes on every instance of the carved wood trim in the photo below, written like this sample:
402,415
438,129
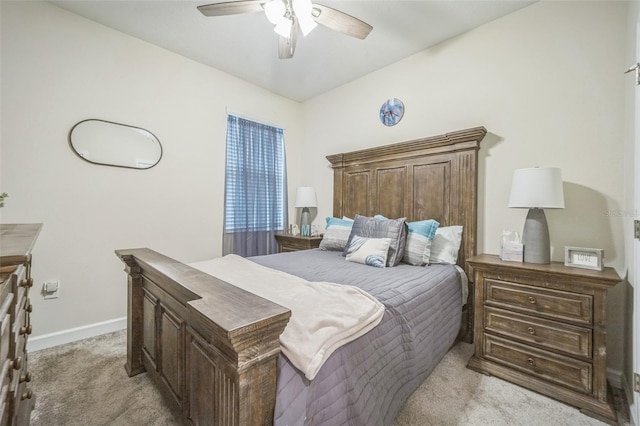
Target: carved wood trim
135,300
461,140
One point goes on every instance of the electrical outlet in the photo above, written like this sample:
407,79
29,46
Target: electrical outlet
636,382
51,289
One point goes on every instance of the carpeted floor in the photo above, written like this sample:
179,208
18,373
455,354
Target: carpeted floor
84,383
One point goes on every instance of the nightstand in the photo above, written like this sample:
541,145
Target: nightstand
544,327
296,242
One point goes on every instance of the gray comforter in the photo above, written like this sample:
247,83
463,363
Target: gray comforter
367,381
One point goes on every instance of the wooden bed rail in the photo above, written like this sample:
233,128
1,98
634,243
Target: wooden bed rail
216,362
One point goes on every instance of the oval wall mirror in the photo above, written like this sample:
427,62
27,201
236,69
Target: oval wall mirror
114,144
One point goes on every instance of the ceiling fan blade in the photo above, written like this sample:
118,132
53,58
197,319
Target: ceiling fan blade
286,46
340,21
234,7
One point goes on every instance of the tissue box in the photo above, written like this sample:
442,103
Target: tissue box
512,252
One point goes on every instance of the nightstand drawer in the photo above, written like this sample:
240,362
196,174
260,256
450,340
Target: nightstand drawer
556,336
553,304
558,369
288,243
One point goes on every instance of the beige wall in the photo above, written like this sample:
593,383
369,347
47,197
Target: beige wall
58,69
547,82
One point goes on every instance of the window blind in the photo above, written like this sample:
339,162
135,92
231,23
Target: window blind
255,178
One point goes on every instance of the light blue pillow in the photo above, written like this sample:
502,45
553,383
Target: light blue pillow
419,239
368,251
420,235
336,234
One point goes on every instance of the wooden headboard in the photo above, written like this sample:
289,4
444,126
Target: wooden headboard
431,178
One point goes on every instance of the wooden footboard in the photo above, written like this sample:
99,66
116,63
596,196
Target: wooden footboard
210,347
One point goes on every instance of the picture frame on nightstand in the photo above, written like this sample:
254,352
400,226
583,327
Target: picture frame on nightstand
581,257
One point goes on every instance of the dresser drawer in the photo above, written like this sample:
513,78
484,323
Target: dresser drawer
5,286
558,369
20,333
21,282
5,336
556,336
25,401
5,376
4,404
552,304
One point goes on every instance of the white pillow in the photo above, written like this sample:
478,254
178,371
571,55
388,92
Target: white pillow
445,245
369,251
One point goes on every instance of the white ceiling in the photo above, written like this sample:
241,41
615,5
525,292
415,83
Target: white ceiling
246,46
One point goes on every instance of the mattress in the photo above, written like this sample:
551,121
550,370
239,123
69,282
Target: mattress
367,381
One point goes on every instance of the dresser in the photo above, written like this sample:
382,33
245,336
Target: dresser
288,242
544,327
16,398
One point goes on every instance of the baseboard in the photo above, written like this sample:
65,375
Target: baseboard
73,334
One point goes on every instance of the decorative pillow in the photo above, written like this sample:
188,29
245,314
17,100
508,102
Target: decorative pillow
420,235
445,245
336,234
395,229
370,251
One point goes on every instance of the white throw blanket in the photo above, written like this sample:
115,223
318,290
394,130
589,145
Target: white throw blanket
324,316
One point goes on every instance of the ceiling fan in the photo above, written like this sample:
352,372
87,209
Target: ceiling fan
289,15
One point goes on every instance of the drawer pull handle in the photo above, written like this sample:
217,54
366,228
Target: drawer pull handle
26,330
27,395
27,282
532,300
531,362
29,308
25,377
531,330
17,363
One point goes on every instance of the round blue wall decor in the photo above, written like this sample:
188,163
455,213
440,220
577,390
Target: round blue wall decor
391,112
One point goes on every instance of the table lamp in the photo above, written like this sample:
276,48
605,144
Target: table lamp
305,198
536,188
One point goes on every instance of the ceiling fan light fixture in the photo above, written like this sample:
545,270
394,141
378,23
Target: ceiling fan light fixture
303,10
283,27
306,23
275,10
288,16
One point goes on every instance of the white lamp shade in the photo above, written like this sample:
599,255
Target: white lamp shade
306,197
537,187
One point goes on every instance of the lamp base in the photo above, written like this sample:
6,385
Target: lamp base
535,238
305,227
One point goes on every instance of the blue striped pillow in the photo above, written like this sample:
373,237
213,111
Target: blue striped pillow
420,234
418,247
336,234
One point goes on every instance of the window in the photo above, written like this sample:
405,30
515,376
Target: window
255,187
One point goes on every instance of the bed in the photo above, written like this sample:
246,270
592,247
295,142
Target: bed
213,349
